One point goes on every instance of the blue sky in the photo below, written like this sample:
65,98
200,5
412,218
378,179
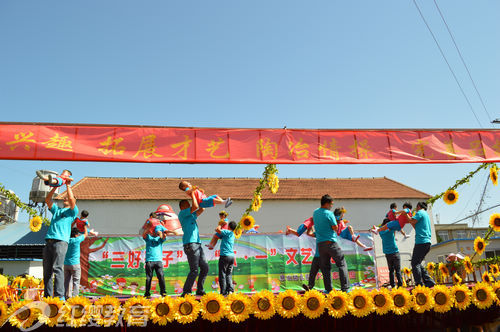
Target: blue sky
251,64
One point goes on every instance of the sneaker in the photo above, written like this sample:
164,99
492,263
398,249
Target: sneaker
228,202
40,175
288,230
356,238
209,247
368,249
306,288
374,230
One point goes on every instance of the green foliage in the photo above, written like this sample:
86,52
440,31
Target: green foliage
23,206
270,169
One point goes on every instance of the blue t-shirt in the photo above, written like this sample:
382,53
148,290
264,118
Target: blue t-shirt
154,248
323,222
60,225
189,226
73,253
388,242
422,227
227,242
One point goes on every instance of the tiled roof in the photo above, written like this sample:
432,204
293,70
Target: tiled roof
94,188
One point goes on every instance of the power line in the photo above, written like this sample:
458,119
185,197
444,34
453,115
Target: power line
463,61
446,60
475,214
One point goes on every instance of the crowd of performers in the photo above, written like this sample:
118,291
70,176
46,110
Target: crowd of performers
61,255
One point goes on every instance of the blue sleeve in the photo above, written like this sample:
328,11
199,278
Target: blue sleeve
417,216
160,228
219,235
195,216
153,239
54,208
332,221
80,238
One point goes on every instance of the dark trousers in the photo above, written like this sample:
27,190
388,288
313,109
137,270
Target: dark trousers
158,268
328,250
53,264
420,272
226,274
197,261
394,265
315,266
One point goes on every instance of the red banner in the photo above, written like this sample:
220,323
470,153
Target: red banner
38,141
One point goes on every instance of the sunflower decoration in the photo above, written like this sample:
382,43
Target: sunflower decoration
431,267
444,270
238,231
494,174
479,245
77,311
382,300
456,278
461,295
238,307
402,300
494,270
337,303
450,196
136,311
256,202
51,312
107,310
486,277
36,223
4,312
495,222
423,300
496,291
247,222
162,310
288,304
186,309
469,268
407,271
22,314
273,183
213,307
482,295
263,304
442,298
360,302
312,304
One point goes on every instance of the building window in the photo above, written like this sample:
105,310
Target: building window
473,234
491,254
441,259
459,234
443,235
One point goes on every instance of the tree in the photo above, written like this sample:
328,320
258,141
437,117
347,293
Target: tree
85,252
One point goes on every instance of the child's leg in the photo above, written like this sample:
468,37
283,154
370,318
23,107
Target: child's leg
290,230
213,242
351,230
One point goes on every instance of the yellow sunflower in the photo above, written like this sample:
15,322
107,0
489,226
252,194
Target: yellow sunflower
287,304
494,270
213,307
162,310
431,267
461,295
273,183
256,202
423,300
382,300
496,291
247,222
450,196
263,304
442,298
77,311
238,307
36,223
312,304
337,303
456,278
136,311
238,231
444,270
495,222
22,314
52,311
4,312
494,175
402,301
360,302
407,271
479,245
106,310
486,277
469,268
187,309
482,295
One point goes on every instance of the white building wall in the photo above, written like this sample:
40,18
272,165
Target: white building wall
15,268
36,269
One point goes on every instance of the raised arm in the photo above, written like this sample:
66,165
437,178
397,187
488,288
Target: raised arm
200,211
218,230
48,199
71,197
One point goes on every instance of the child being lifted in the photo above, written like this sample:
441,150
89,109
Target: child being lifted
346,231
203,200
397,219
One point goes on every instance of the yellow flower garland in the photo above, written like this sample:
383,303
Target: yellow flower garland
486,277
106,310
469,268
423,299
213,307
238,307
256,202
407,271
77,311
360,302
382,300
287,304
442,298
312,304
186,309
52,311
162,310
36,223
444,270
136,311
495,222
263,304
22,314
479,245
402,301
494,175
431,267
482,295
273,183
494,270
496,291
337,303
456,278
461,296
450,196
247,222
